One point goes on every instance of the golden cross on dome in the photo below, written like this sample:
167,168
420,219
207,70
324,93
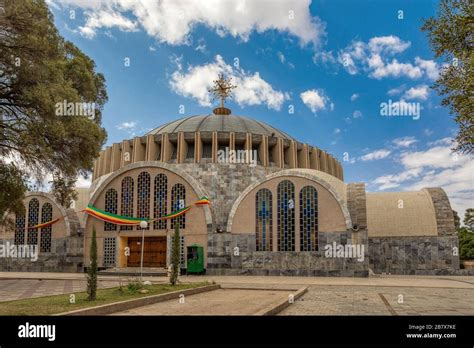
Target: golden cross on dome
222,88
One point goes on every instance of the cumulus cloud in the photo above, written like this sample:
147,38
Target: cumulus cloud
420,92
376,58
105,19
357,114
316,100
404,142
376,155
195,81
172,22
436,166
127,125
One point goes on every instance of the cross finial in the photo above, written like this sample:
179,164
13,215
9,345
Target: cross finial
222,88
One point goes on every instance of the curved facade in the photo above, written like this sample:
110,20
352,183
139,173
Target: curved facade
286,211
198,139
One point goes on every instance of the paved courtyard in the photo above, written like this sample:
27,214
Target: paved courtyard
217,302
378,295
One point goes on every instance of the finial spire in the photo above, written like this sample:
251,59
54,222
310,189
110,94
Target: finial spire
222,89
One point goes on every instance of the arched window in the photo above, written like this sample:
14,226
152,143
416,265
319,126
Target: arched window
127,201
178,201
143,200
33,218
20,229
45,240
111,197
264,231
286,216
308,219
161,201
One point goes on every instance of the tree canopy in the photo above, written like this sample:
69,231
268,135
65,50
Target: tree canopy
40,71
451,36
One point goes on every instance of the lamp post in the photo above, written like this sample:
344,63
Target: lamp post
143,225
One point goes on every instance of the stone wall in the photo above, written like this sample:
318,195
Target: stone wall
414,255
443,211
225,259
224,183
66,256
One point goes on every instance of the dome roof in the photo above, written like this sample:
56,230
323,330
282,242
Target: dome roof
220,123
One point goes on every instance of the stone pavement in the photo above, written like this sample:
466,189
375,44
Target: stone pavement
378,295
371,300
16,289
217,302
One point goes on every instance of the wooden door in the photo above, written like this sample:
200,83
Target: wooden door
154,252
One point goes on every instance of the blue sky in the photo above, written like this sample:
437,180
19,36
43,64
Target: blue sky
333,62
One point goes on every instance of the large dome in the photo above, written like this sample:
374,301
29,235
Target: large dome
220,123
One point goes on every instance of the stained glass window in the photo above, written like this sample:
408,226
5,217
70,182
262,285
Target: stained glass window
20,229
178,201
33,218
161,201
46,215
308,219
264,230
143,203
110,207
286,216
127,200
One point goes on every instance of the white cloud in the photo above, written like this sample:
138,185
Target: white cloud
151,48
387,44
375,58
105,19
357,114
316,100
429,67
251,88
436,166
396,91
127,125
281,57
337,131
376,155
420,92
354,97
173,21
404,142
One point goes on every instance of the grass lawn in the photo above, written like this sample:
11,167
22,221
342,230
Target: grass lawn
61,303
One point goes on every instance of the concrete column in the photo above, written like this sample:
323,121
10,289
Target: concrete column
151,148
303,157
115,160
323,161
215,147
231,141
126,153
94,170
108,160
197,147
278,153
265,159
248,142
166,148
101,163
139,150
182,148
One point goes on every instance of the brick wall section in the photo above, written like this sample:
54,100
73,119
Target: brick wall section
356,204
443,211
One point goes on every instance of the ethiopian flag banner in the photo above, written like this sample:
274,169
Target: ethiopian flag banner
126,220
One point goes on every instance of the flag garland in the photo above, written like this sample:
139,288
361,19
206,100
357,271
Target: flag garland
126,220
131,221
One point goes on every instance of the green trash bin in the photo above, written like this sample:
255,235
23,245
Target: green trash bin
195,259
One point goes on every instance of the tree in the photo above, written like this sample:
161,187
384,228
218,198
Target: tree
466,244
13,188
92,269
469,219
62,189
457,220
175,253
51,97
451,36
